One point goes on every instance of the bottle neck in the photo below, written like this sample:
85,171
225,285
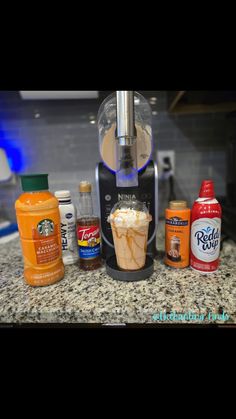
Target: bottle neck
64,202
85,204
41,190
208,200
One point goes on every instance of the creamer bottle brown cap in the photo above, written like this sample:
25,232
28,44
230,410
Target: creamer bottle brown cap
178,205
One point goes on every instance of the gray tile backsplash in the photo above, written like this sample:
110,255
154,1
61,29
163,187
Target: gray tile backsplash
63,143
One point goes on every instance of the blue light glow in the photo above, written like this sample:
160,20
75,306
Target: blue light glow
115,171
128,176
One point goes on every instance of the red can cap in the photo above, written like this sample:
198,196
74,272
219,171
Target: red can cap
207,189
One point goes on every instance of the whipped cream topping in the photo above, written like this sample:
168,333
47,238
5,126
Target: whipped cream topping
128,218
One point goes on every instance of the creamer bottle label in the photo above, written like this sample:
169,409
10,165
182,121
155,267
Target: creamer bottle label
205,239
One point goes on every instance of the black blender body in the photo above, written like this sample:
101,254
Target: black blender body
109,194
126,173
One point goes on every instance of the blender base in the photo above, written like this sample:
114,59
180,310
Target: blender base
129,276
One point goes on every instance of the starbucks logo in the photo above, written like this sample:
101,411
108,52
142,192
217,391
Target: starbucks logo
45,227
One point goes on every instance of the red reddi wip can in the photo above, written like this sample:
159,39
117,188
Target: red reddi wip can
205,230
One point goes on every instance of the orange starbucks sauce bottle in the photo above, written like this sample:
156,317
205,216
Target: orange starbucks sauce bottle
177,230
38,221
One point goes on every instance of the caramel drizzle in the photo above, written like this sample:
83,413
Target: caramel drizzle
130,239
136,222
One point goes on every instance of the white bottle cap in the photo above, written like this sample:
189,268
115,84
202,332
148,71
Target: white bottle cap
63,195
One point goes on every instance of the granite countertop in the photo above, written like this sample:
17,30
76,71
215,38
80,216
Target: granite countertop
93,297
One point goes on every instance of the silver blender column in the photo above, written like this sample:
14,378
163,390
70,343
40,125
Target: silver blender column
126,139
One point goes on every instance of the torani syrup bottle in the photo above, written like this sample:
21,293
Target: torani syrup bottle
38,220
88,231
177,234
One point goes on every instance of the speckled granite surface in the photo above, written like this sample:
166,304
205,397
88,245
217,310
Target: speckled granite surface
96,298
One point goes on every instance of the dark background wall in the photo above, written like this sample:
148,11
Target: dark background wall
60,138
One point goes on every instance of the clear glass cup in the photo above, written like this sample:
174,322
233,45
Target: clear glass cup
130,224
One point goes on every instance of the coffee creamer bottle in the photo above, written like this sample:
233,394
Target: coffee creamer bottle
68,213
205,230
38,221
177,234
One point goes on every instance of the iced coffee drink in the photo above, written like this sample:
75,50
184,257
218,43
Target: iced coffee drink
130,223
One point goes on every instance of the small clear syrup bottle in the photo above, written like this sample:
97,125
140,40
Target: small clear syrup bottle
88,230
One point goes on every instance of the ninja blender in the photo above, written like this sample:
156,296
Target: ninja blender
126,171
